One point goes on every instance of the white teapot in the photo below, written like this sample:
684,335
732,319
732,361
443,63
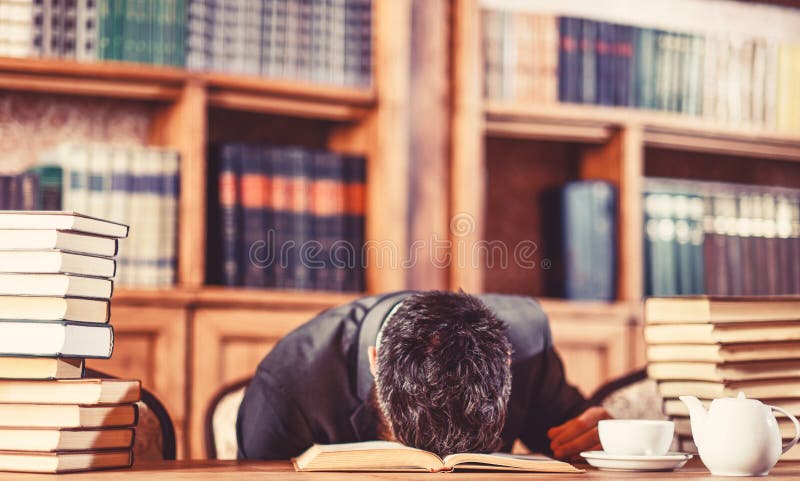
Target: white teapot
738,436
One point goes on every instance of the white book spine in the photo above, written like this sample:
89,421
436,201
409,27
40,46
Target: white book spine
771,85
118,209
75,162
97,181
170,162
149,233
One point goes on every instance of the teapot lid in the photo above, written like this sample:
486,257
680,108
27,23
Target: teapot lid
740,398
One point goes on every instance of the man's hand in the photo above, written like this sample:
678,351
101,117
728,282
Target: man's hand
577,434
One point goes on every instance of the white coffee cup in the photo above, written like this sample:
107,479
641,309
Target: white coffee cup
636,437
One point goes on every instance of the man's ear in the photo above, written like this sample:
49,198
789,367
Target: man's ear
372,353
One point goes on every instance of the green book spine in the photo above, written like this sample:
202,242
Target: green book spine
157,28
103,30
128,22
118,11
180,32
168,31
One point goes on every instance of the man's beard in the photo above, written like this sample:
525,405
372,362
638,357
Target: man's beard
383,427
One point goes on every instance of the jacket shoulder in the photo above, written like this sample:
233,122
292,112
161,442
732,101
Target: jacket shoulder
528,327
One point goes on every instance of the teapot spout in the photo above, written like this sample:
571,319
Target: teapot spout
697,416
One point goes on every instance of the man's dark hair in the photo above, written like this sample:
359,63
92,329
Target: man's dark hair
443,375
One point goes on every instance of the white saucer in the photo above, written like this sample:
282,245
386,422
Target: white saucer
667,462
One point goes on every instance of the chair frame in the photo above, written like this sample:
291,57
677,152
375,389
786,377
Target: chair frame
614,385
208,423
168,447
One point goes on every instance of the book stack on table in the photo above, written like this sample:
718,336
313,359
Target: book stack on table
712,347
56,271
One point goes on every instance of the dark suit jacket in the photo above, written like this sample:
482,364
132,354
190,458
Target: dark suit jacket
314,384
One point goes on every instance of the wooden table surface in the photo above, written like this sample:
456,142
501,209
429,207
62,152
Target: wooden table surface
247,471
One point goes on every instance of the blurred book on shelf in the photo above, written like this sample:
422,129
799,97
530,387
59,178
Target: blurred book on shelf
286,217
579,222
720,238
321,41
758,336
138,186
735,79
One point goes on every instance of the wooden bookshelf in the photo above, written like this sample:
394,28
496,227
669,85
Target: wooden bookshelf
186,341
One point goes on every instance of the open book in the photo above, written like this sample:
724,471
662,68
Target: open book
390,456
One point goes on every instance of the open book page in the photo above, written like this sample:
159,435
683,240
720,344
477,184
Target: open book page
367,456
506,461
391,456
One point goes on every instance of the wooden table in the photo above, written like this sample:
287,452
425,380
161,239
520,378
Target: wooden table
248,471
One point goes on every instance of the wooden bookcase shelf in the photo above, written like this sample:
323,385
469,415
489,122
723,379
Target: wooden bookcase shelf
217,296
593,124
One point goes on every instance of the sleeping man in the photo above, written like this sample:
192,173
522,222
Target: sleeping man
441,371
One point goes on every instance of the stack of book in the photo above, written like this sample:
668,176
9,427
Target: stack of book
287,217
137,186
735,79
712,347
720,238
318,40
55,289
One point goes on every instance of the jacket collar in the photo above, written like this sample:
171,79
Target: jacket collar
368,332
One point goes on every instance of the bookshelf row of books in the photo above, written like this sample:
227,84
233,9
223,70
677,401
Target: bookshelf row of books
55,290
717,347
735,79
325,41
287,217
720,238
85,30
138,186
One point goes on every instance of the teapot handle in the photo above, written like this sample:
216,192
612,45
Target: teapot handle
789,444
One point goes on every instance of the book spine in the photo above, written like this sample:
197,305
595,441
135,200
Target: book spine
324,203
588,49
230,205
253,189
68,29
119,203
169,190
299,220
281,198
354,185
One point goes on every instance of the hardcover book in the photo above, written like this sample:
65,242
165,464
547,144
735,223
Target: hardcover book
391,456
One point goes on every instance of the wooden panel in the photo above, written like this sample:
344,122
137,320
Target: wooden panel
387,161
298,89
254,102
620,162
227,345
227,125
662,162
518,213
685,132
595,341
105,79
150,345
468,171
429,142
182,125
